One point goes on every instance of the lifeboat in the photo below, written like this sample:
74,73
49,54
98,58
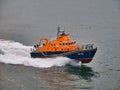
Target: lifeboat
63,46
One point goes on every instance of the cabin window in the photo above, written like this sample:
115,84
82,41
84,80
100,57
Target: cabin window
66,43
61,43
53,44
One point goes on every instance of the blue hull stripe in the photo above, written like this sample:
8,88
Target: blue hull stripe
72,55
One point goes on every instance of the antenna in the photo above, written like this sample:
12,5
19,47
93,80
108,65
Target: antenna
58,28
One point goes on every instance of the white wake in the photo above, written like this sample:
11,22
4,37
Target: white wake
17,53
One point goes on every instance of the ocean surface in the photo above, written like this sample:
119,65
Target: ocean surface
23,22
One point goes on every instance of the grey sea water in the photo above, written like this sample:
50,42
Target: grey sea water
87,21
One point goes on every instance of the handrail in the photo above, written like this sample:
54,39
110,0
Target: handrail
46,39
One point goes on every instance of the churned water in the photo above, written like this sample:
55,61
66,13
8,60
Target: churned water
23,22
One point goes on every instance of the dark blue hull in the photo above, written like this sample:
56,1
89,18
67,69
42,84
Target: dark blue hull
85,56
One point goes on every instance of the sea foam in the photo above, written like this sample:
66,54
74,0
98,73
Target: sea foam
17,53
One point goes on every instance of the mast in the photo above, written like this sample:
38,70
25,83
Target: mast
60,32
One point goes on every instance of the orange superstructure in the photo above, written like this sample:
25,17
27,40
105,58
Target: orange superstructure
63,42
